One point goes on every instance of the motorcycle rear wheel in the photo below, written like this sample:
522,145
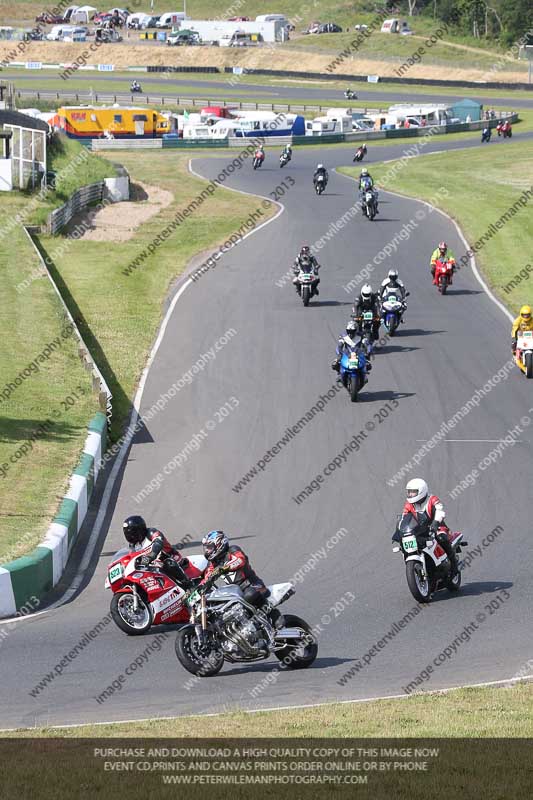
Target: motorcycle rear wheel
287,654
186,646
122,611
419,588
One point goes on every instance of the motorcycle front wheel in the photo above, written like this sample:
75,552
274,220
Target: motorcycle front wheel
132,622
419,586
294,656
354,388
204,664
306,295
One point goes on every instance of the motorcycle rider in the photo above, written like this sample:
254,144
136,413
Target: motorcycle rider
260,152
305,258
366,184
320,170
523,322
153,544
233,565
368,300
442,253
287,152
392,281
135,87
429,512
359,154
346,343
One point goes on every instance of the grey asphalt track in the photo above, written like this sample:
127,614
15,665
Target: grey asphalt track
317,94
277,365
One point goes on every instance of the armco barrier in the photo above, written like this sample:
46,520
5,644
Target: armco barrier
36,574
79,200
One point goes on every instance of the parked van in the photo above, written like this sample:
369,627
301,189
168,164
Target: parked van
69,33
170,18
272,18
137,20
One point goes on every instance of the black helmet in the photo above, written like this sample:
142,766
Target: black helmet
305,251
216,545
134,529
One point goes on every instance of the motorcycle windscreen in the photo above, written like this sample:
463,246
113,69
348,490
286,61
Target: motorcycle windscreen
409,525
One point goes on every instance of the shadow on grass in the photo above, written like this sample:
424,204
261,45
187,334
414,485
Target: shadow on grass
122,404
24,430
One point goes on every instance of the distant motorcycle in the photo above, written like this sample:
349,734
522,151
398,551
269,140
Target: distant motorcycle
320,183
392,308
366,323
370,206
307,281
486,134
524,353
360,153
135,87
350,95
258,160
352,372
284,159
443,275
427,566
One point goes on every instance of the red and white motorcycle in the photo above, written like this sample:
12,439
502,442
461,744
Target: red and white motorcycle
443,275
146,596
427,566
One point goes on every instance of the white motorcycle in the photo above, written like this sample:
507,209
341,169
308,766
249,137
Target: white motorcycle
427,566
392,308
524,353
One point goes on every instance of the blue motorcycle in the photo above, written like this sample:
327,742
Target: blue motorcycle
353,371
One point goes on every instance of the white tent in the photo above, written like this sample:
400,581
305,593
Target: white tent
82,14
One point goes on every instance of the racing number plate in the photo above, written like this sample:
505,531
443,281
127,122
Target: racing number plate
409,543
115,573
193,598
368,315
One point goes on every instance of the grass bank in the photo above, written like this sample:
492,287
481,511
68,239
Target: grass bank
40,367
484,183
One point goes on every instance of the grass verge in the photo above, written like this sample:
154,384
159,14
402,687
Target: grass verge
463,713
484,183
41,365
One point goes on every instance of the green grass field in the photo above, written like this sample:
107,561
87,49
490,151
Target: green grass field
483,184
33,484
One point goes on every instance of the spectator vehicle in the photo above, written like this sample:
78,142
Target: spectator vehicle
239,19
49,19
329,27
170,18
183,37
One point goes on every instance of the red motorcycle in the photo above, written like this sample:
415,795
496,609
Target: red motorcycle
443,275
146,596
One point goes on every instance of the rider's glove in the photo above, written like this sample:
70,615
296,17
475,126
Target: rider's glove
434,527
513,345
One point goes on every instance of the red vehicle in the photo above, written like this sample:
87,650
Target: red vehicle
49,19
147,596
443,275
239,19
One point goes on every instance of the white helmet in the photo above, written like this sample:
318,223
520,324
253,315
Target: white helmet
320,166
393,274
417,490
366,291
